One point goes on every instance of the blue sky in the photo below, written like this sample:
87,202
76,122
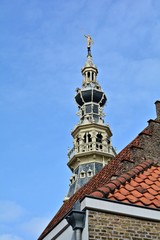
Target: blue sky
42,51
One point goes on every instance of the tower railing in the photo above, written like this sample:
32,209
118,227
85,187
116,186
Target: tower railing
89,147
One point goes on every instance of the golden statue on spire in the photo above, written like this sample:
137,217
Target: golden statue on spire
89,40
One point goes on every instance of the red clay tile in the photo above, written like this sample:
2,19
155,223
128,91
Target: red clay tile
158,197
138,180
155,187
152,191
145,201
157,183
156,203
126,201
142,176
155,175
124,191
104,189
144,185
134,183
129,187
148,182
131,198
131,173
153,179
119,196
116,182
111,186
126,176
147,173
97,194
139,204
149,196
111,197
137,194
152,206
135,170
141,189
122,180
157,171
140,168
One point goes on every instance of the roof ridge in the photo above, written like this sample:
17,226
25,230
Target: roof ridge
122,179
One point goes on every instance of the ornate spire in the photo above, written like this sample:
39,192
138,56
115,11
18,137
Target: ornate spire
91,137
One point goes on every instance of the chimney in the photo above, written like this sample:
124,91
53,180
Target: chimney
157,103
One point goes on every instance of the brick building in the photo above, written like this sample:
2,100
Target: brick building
111,196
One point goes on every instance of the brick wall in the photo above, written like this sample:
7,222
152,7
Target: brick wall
149,147
104,226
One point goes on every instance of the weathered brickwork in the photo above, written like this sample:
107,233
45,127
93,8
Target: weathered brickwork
104,226
148,147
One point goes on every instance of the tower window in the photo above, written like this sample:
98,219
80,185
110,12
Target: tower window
99,141
99,138
74,178
89,138
88,108
92,76
89,173
95,108
82,174
88,74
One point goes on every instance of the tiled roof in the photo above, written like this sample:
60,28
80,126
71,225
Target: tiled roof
114,167
140,186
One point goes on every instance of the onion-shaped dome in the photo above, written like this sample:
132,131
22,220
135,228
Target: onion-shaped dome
87,95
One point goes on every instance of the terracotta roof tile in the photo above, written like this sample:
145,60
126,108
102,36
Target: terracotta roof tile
148,196
105,190
145,201
140,204
119,196
157,183
126,201
124,191
144,185
153,178
137,193
139,179
132,199
152,191
122,180
156,203
141,189
157,171
134,183
155,187
129,187
98,194
142,176
157,197
111,186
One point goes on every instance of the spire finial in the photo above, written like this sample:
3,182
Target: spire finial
89,42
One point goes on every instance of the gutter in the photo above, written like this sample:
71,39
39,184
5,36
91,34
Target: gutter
76,219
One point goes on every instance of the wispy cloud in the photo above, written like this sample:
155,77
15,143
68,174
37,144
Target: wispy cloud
35,225
9,237
10,211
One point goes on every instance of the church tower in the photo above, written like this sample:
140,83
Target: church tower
92,147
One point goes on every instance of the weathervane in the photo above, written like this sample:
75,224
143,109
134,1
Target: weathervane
89,42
